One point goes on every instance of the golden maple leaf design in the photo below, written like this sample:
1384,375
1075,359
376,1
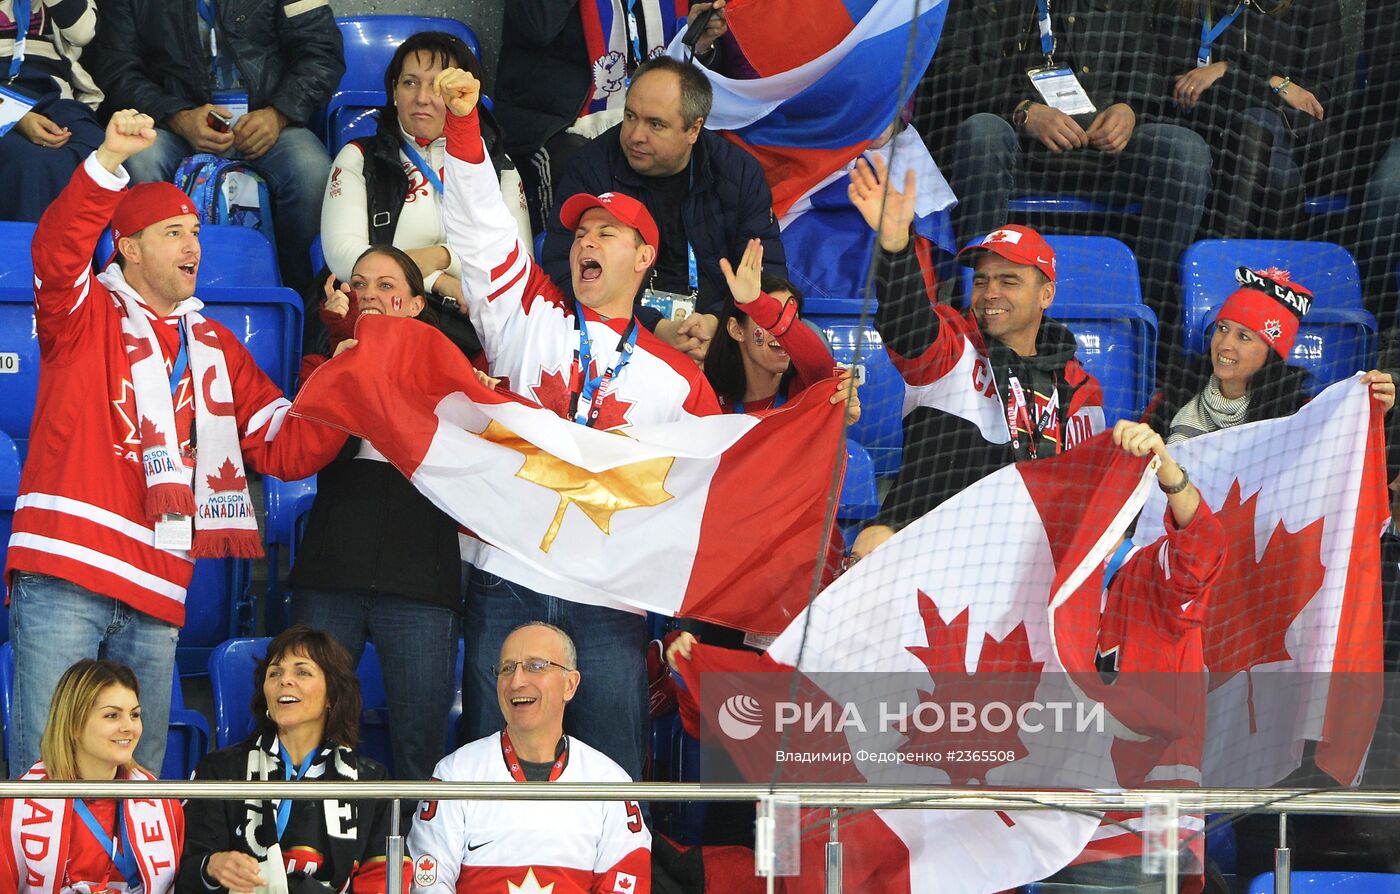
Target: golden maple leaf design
597,494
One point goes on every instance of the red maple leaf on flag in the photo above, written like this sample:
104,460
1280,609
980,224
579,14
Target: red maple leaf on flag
228,478
1005,675
1254,601
552,392
150,435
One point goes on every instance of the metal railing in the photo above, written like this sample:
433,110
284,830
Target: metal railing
866,797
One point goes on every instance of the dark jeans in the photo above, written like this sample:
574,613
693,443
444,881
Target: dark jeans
1166,167
417,647
1380,236
296,169
32,176
609,711
1124,876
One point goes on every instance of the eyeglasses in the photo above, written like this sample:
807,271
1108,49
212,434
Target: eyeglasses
532,666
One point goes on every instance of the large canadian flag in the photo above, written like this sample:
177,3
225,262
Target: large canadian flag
1293,636
970,590
722,518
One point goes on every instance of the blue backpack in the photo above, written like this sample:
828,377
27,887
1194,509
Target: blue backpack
226,191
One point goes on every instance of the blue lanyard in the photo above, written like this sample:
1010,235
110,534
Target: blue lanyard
1047,31
778,400
22,10
182,362
1116,561
1210,35
284,807
634,34
595,387
121,856
421,164
693,271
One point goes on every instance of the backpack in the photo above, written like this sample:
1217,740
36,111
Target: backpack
226,191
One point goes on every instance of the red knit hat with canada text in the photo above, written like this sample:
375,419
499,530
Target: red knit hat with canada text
1269,303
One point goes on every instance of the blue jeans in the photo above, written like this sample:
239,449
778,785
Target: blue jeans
54,623
296,169
1380,235
417,647
1166,167
609,711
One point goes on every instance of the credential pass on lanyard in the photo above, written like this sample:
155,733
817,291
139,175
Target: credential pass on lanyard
284,807
22,10
1047,31
422,165
1210,35
589,401
118,847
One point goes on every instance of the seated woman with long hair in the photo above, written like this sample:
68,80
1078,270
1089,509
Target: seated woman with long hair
307,704
91,844
1248,377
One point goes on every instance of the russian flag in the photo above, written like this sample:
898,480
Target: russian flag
835,73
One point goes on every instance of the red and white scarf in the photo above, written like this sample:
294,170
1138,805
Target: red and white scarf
224,523
39,838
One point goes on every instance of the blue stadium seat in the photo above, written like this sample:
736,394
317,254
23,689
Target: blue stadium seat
1067,204
1338,336
186,742
240,257
1320,205
1099,297
1221,846
19,354
231,668
880,429
860,500
9,492
1331,883
217,606
16,264
318,256
353,124
370,42
268,321
287,503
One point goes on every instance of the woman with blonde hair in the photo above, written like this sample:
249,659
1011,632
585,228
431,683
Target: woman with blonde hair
91,844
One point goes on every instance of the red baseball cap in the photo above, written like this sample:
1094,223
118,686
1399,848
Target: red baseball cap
1018,244
623,207
148,203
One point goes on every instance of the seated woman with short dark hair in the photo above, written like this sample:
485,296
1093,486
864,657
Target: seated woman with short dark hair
307,704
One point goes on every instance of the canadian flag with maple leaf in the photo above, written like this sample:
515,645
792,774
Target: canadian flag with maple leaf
959,607
1293,637
667,517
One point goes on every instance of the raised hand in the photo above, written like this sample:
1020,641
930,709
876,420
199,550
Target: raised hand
887,211
459,89
337,301
128,133
744,282
847,393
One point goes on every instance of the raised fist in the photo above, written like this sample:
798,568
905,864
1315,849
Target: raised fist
459,89
129,132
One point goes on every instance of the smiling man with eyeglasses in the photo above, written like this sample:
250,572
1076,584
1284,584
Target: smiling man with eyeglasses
563,847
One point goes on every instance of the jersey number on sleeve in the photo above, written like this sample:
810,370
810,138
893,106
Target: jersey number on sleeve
634,817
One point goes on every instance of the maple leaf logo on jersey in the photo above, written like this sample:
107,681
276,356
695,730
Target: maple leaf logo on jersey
1254,600
552,392
228,479
612,412
425,871
625,883
529,885
1005,675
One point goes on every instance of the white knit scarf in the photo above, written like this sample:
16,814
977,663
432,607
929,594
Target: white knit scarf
224,523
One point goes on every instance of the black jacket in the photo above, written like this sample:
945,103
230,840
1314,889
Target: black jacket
988,45
544,75
728,204
371,529
147,55
355,848
1303,43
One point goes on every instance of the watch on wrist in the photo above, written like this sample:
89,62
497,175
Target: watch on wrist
450,303
1179,486
1023,111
